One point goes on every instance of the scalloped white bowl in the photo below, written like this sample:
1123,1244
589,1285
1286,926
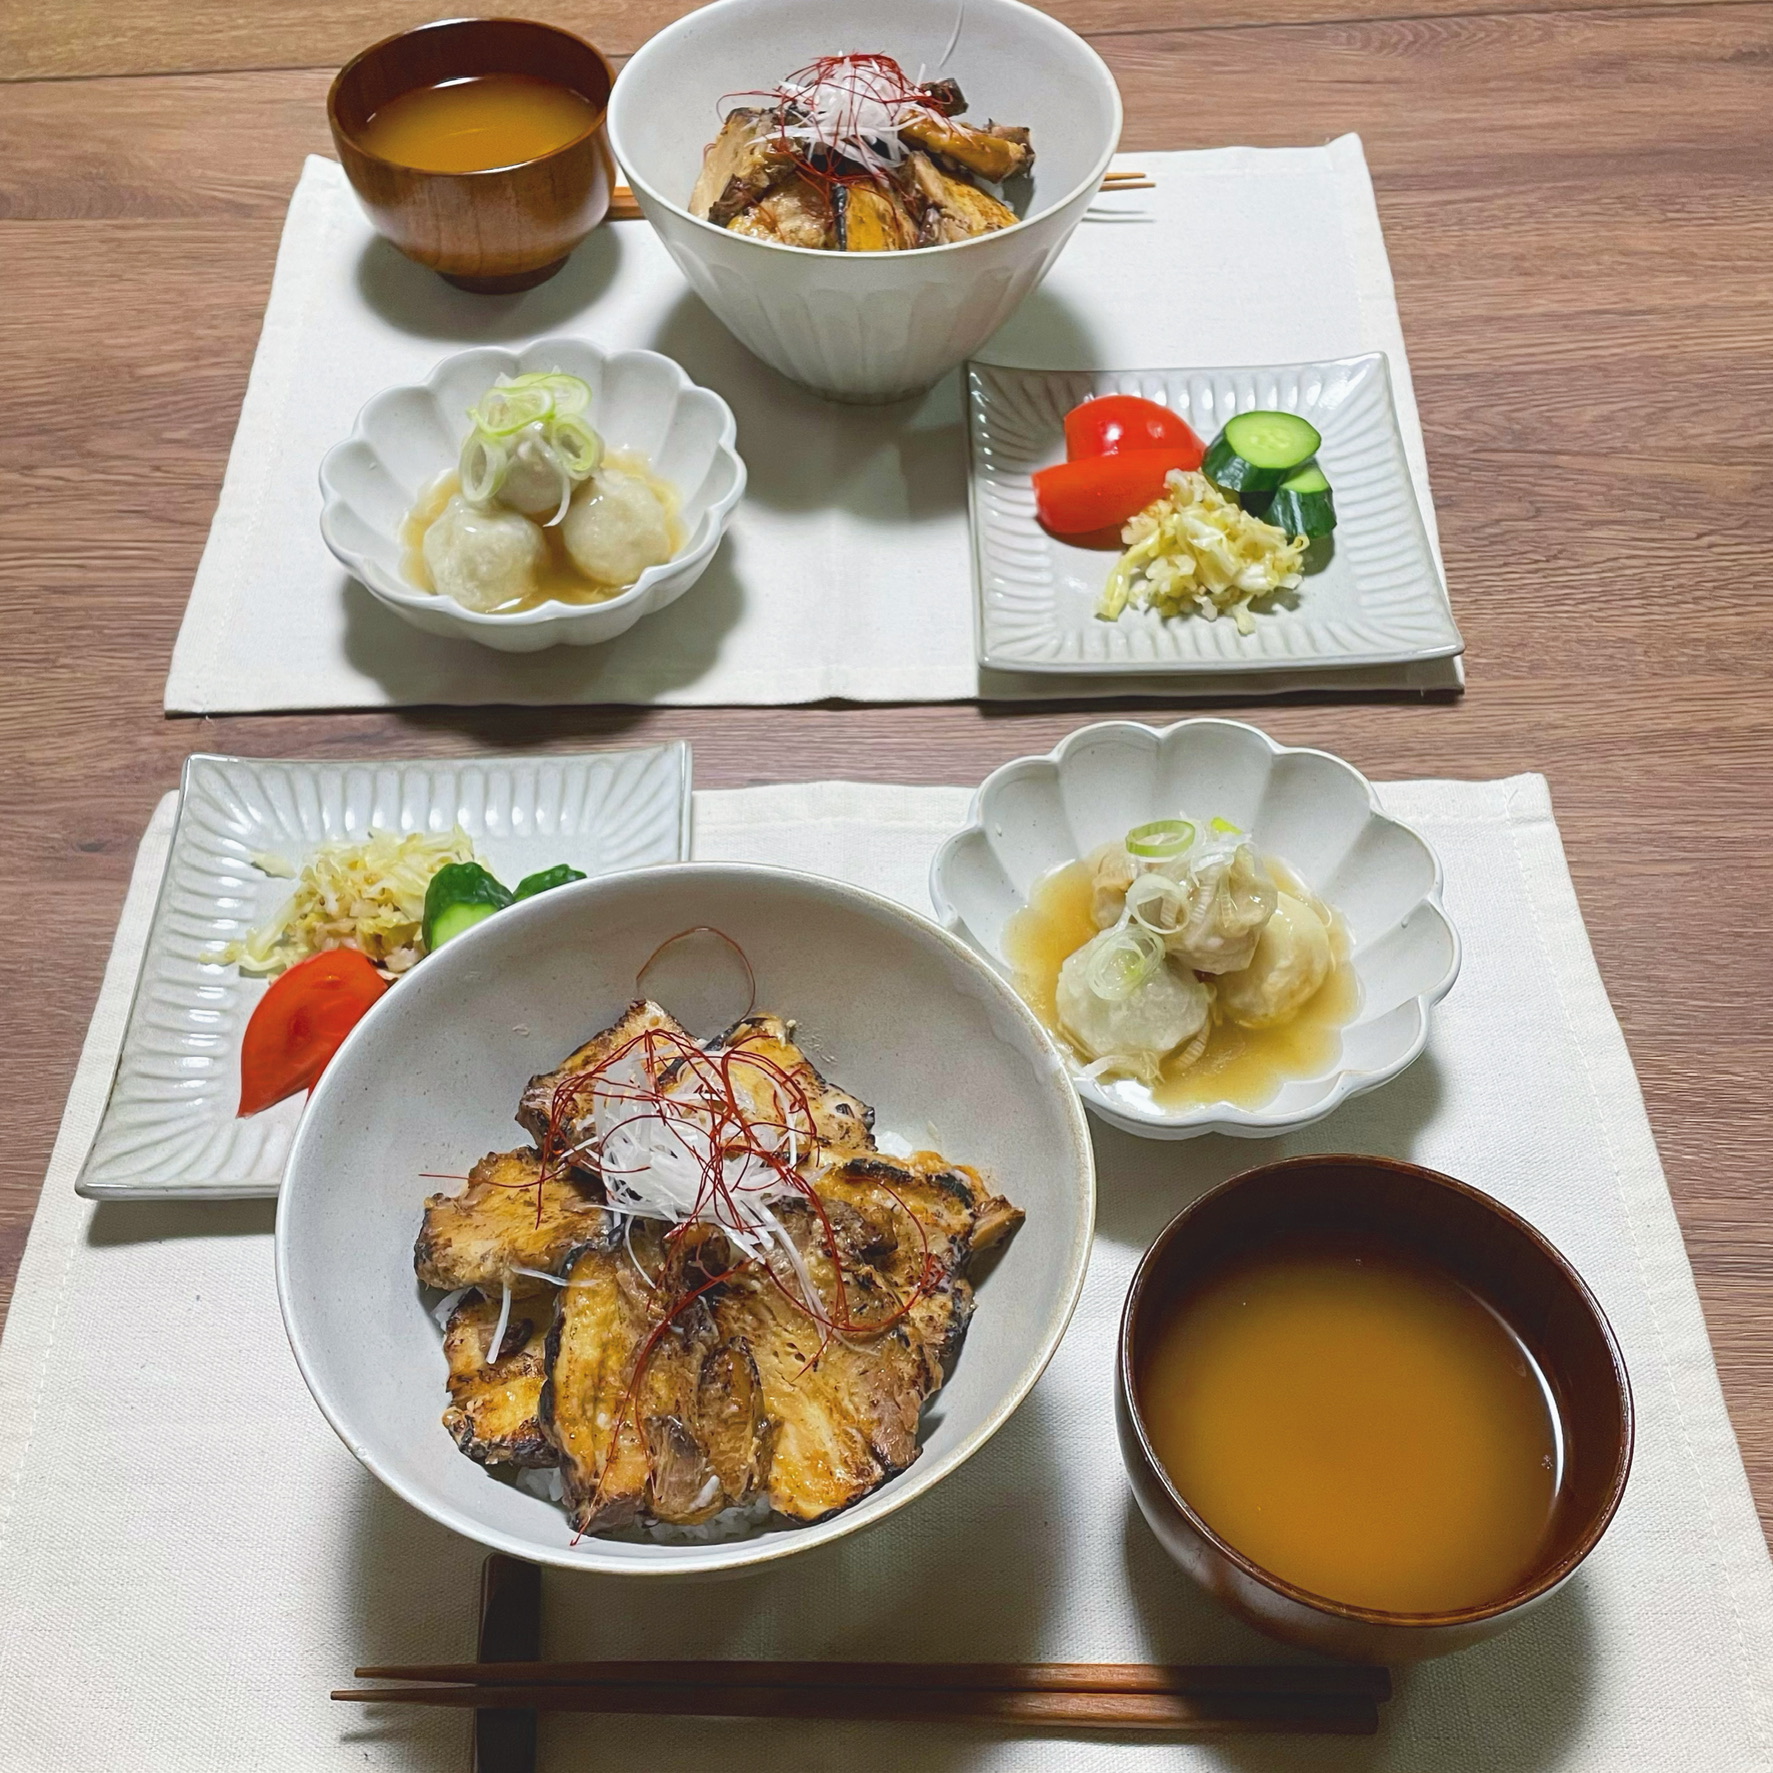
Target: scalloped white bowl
1317,813
405,437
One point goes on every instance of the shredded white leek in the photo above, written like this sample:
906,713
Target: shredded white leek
1196,549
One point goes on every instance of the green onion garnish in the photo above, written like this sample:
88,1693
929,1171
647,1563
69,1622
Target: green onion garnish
1160,841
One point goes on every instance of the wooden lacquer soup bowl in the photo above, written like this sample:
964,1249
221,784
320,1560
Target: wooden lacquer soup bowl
496,231
1426,1223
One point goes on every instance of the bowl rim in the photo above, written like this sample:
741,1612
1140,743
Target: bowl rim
649,194
737,1555
596,127
1213,1116
333,495
1523,1593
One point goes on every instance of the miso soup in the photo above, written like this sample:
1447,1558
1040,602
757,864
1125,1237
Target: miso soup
1358,1424
478,123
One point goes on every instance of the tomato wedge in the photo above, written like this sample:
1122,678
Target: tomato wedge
1076,497
301,1022
1115,424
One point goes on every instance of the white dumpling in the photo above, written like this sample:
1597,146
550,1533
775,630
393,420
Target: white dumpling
1167,1010
534,479
616,528
1231,898
483,556
1291,962
1111,873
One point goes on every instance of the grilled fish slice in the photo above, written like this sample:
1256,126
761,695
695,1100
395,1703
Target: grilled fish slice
731,1423
954,209
763,1051
482,1236
794,211
588,1409
844,1408
922,1210
739,165
495,1396
542,1105
871,218
992,153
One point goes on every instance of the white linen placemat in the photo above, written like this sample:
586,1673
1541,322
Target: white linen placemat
189,1560
846,571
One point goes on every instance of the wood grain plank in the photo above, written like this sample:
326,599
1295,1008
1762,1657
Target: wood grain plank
64,39
1579,208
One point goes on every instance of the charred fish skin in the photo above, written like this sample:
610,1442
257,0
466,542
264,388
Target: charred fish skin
511,1216
495,1394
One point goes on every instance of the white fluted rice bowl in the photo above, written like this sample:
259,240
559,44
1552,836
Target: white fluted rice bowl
405,437
1317,813
869,326
892,1007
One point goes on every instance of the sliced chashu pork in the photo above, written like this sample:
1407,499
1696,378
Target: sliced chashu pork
509,1217
495,1395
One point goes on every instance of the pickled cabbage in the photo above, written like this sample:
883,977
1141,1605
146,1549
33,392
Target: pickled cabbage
368,895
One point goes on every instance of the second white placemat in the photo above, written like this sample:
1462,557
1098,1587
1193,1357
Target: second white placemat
189,1559
846,572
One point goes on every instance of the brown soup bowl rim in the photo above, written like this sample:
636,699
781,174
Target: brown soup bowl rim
1543,1580
443,24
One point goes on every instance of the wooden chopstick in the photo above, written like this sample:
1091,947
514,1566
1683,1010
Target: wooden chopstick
1204,1714
1346,1680
623,207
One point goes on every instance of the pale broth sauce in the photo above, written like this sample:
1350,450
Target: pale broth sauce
1241,1066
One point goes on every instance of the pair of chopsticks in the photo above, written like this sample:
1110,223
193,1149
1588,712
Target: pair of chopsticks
624,208
1213,1699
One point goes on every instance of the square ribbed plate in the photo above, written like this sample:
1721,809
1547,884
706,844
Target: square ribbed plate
1378,601
170,1130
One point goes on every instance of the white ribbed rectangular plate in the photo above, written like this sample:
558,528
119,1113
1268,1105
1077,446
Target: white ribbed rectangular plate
1378,601
170,1130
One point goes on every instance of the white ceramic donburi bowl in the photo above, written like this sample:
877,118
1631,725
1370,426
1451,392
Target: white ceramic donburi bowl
405,437
1315,812
894,1008
868,326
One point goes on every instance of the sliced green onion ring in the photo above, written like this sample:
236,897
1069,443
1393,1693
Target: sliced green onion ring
1225,828
571,395
569,392
1161,841
1158,902
1122,964
503,412
484,466
577,446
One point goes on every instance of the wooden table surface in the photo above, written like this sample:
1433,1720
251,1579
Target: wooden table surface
1578,203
